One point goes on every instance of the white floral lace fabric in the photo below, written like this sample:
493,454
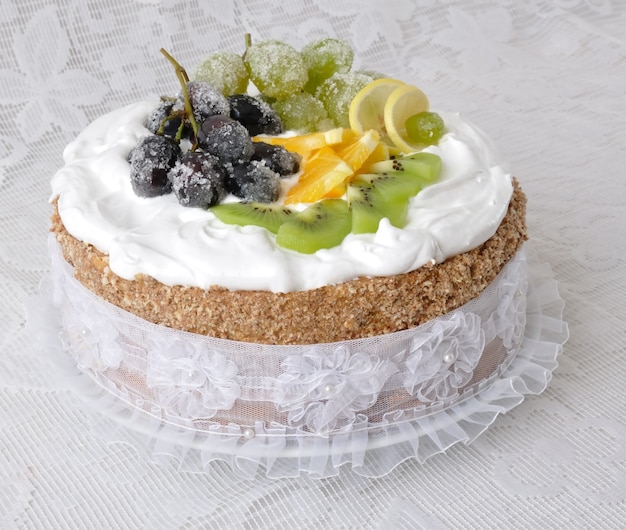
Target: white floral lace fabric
544,78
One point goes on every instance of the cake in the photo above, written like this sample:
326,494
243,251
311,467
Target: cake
219,325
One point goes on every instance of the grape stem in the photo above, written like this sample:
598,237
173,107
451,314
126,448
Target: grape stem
183,79
248,42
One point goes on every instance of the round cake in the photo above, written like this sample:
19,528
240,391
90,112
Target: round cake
217,291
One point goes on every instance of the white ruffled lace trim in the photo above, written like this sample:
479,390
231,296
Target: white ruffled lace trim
371,403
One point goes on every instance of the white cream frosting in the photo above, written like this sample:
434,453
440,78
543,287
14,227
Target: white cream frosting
190,246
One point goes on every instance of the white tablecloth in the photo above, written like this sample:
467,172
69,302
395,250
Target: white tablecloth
545,78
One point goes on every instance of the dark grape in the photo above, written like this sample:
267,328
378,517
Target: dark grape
165,120
198,180
277,158
205,101
255,115
254,182
150,161
226,139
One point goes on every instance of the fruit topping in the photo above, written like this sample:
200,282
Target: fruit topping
325,57
166,121
255,115
225,71
322,225
423,167
276,68
403,102
250,213
353,128
325,170
198,180
226,139
303,113
206,101
385,193
425,127
357,151
305,143
277,158
254,182
367,108
150,161
337,93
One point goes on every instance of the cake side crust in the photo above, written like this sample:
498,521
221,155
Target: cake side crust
358,308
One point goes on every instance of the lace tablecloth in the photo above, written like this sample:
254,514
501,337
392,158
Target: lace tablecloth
545,78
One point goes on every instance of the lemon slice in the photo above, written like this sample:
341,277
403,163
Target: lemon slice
402,103
367,108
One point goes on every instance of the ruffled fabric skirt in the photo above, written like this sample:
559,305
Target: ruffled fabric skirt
369,404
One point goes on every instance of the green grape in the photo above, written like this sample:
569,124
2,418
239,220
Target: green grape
372,73
301,112
425,127
337,92
326,57
225,71
276,68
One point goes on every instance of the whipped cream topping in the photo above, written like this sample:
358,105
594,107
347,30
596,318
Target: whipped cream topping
190,246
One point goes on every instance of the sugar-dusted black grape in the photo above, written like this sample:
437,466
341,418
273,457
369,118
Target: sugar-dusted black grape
150,161
226,139
254,182
255,115
277,158
198,180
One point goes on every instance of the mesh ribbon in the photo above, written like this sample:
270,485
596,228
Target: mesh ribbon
370,402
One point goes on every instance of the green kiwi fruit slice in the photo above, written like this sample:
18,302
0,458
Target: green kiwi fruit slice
324,224
372,197
425,167
267,216
386,190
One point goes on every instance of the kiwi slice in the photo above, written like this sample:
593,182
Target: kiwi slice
424,167
268,216
372,197
324,224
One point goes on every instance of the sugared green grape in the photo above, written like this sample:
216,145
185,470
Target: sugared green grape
276,68
337,92
225,71
372,73
326,57
425,128
301,112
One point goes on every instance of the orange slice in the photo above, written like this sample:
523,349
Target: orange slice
323,171
382,152
357,151
305,143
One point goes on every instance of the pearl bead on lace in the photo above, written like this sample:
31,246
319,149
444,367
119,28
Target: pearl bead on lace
449,358
85,332
329,389
248,433
518,294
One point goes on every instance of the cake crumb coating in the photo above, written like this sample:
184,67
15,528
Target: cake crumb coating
358,308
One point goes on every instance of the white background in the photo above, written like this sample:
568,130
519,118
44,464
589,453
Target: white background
546,79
